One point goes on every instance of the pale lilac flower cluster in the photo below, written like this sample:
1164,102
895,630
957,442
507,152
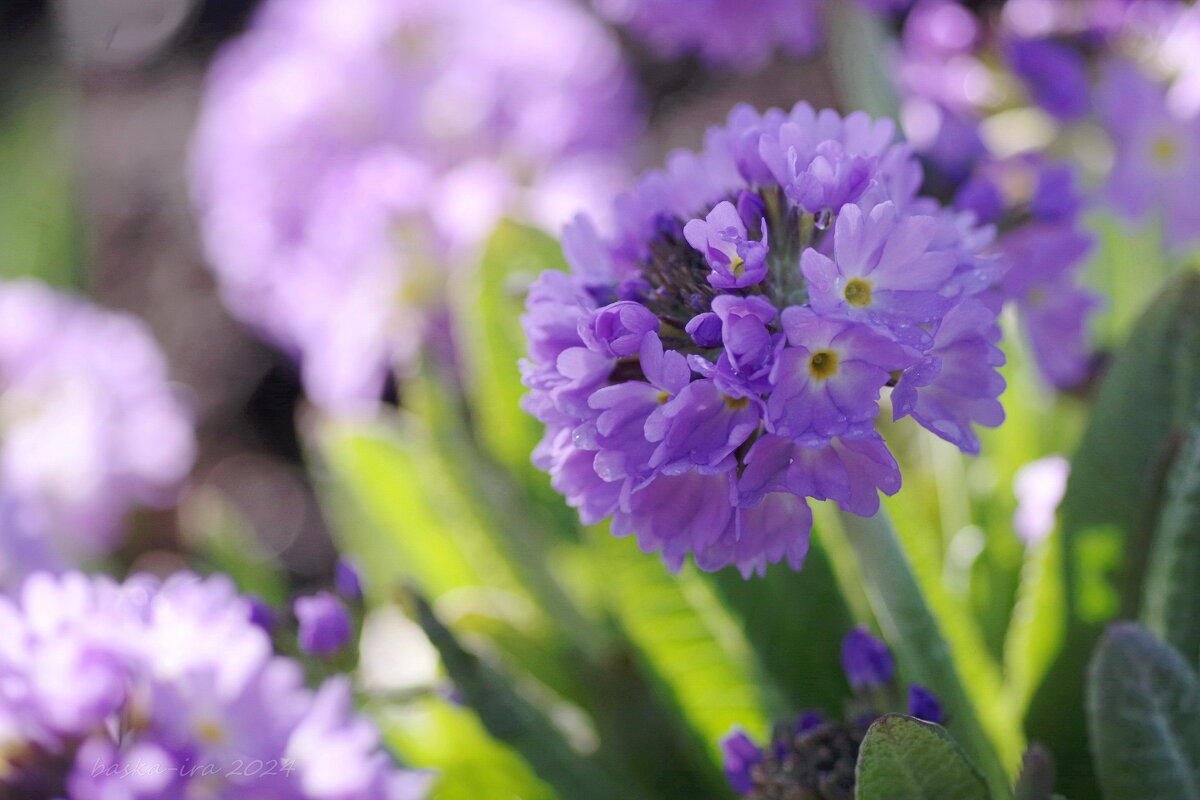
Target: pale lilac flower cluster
151,691
349,154
725,33
89,428
950,82
816,756
722,357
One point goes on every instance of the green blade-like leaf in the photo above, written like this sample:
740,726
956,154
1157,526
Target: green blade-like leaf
795,622
1108,513
906,759
511,719
1171,607
1143,703
690,640
435,733
488,310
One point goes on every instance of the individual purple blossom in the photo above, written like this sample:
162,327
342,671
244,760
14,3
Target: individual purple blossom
1055,75
1054,309
737,261
90,428
722,32
349,155
957,386
1157,161
743,401
158,690
828,382
866,660
882,269
324,624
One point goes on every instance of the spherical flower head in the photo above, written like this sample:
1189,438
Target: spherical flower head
89,428
165,687
722,32
720,359
866,660
324,624
349,155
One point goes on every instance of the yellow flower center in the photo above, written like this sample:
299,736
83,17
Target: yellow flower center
858,292
737,402
737,266
1165,150
823,364
663,397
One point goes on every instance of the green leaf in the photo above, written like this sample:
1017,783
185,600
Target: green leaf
38,225
859,48
434,733
507,716
1171,607
1143,704
795,622
488,311
906,759
689,640
1109,512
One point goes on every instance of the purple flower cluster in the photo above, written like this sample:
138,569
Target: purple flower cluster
816,756
1035,202
722,357
725,33
348,154
149,690
89,427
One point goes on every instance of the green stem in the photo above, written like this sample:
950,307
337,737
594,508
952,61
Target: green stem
912,630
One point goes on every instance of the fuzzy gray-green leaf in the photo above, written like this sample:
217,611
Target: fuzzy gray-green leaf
1143,703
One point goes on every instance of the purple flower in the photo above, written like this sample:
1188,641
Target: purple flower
957,386
324,624
741,754
349,155
346,580
89,428
1055,75
827,383
867,662
760,366
817,754
1157,162
722,32
737,261
158,690
1054,309
883,269
923,705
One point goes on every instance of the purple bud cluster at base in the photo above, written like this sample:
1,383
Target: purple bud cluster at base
815,757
